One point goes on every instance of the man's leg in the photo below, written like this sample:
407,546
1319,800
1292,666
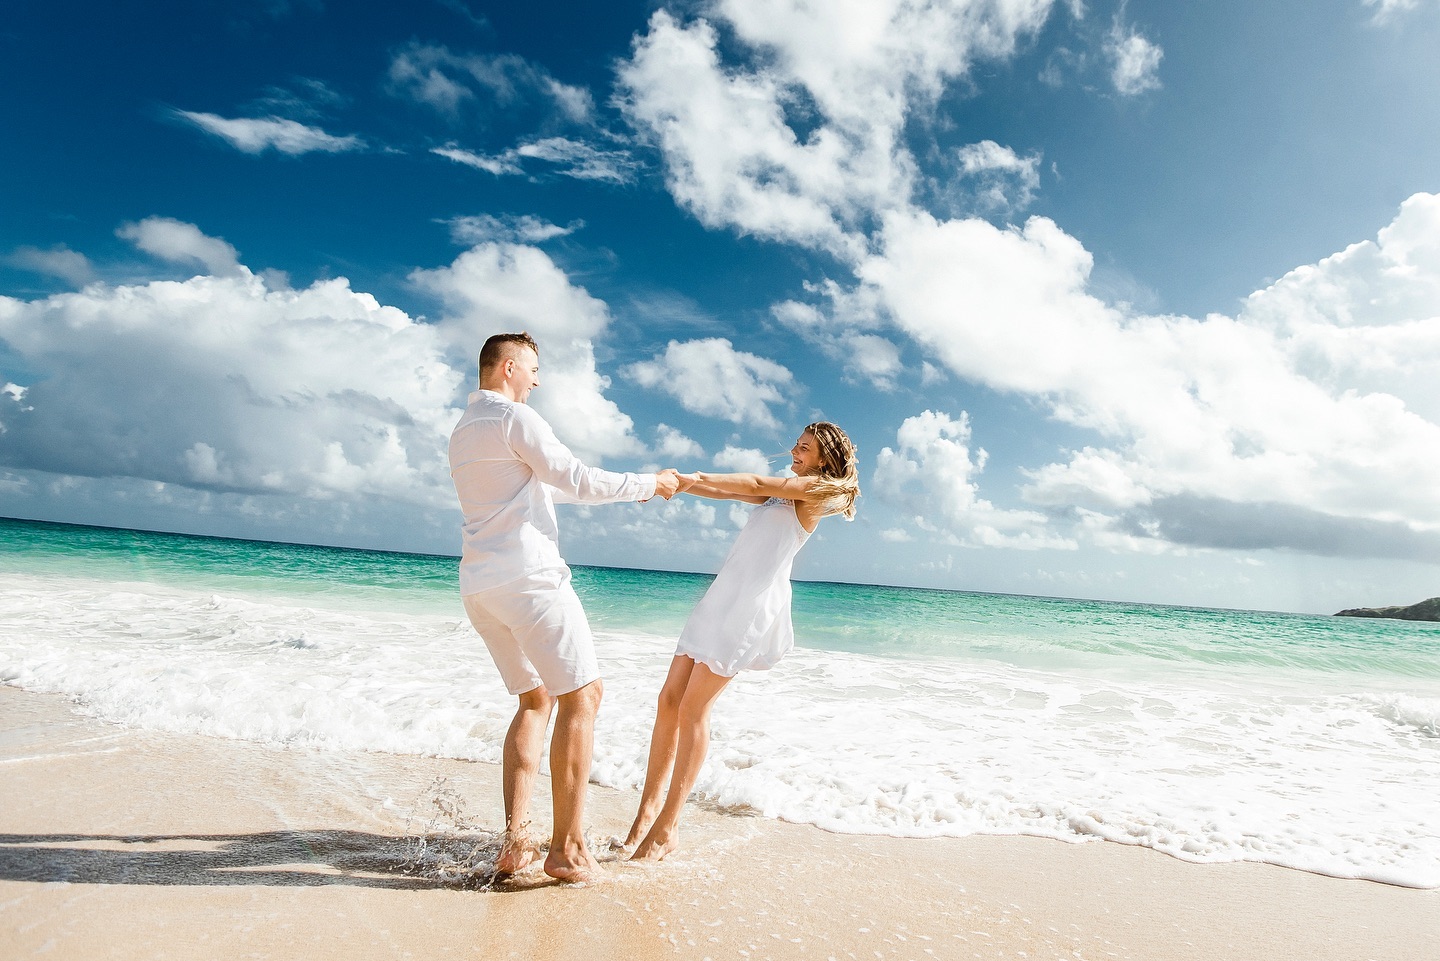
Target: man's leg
524,743
570,751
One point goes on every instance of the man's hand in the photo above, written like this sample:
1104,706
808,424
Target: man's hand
667,483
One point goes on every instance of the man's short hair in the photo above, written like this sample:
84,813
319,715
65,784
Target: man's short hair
501,347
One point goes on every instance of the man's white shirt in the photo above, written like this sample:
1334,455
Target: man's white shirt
509,470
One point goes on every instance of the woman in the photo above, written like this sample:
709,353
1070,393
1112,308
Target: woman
743,621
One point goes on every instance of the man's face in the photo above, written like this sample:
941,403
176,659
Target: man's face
524,374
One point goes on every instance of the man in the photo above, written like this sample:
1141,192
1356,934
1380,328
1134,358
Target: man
508,468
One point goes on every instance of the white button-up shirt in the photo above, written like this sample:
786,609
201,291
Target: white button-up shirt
509,468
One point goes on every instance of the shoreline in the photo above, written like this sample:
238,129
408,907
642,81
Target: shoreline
121,843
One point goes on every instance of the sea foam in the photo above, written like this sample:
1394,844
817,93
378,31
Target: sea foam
1293,771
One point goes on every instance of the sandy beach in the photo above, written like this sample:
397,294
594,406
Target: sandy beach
117,843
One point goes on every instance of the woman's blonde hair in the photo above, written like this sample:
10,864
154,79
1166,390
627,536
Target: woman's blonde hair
839,482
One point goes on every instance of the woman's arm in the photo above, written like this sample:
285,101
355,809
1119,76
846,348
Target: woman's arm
747,486
715,493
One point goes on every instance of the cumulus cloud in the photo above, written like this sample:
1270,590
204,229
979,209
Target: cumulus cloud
673,446
255,135
930,476
225,383
805,144
1365,319
1134,61
1312,397
58,261
742,460
221,383
1315,405
182,243
712,378
496,287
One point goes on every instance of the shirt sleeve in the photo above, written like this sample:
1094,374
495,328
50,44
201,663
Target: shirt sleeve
570,481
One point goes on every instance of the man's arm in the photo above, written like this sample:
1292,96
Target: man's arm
667,485
536,445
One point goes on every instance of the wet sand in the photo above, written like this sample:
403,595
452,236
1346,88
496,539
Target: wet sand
117,843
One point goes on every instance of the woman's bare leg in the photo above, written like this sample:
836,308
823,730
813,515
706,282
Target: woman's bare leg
662,748
691,743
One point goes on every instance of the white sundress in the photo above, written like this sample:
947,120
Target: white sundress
743,621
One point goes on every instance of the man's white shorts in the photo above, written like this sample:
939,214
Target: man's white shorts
537,633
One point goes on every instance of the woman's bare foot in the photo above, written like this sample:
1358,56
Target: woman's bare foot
517,852
656,845
638,830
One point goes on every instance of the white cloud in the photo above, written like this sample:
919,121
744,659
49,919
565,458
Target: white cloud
498,287
1366,318
712,378
673,446
1006,180
254,135
743,460
806,144
1135,61
417,73
182,243
1293,425
571,158
59,261
581,160
1308,421
448,83
500,165
225,383
864,356
929,475
219,382
525,229
1387,11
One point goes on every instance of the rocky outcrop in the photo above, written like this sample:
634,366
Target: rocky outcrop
1424,611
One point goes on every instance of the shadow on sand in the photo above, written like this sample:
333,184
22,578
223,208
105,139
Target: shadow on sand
275,858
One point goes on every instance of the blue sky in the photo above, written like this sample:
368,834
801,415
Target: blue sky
1129,300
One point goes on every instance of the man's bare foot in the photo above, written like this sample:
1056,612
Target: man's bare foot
517,852
573,866
656,846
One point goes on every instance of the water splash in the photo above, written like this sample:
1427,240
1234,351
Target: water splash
445,845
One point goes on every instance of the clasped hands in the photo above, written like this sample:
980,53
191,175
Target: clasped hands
670,482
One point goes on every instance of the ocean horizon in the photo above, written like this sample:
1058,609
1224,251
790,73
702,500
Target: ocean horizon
1210,734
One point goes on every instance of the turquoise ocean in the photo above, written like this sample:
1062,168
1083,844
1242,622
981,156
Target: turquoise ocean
1212,735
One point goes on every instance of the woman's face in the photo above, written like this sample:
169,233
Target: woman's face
805,455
